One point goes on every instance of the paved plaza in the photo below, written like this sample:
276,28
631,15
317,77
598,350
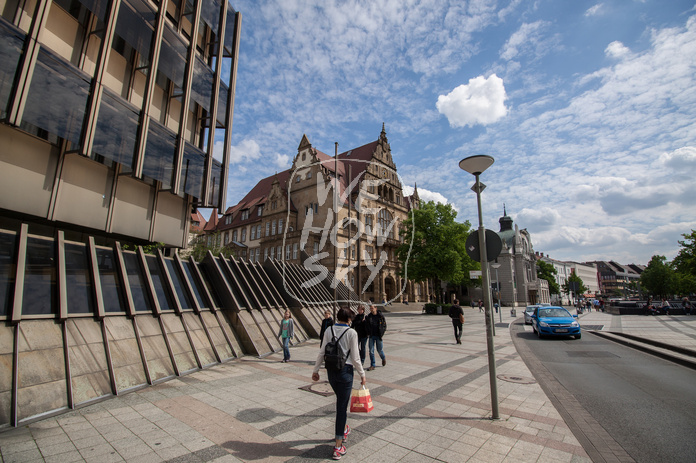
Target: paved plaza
432,403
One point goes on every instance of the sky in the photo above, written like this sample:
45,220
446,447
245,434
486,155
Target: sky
589,108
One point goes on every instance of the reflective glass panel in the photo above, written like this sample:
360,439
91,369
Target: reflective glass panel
229,29
194,284
202,85
137,282
11,43
7,271
117,127
98,7
57,97
40,289
192,171
208,283
159,154
158,282
215,179
210,14
172,62
177,281
135,25
78,280
114,300
222,104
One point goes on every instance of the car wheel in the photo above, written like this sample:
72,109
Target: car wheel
539,335
578,336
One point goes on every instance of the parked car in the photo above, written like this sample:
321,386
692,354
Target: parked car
528,312
555,321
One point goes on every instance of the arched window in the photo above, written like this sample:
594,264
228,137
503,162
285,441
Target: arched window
384,219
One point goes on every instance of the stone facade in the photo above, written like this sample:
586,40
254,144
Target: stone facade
293,211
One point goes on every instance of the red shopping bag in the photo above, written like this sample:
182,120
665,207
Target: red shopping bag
360,401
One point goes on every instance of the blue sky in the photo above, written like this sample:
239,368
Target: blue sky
588,108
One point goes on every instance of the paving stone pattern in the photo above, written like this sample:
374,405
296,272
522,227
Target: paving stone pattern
432,403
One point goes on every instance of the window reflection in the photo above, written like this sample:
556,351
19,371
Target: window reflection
194,284
158,282
117,126
78,280
210,14
202,85
172,61
11,43
136,280
215,179
114,300
7,271
192,171
39,278
177,280
208,283
159,154
135,25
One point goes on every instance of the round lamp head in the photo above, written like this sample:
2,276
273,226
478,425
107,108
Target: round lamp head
476,165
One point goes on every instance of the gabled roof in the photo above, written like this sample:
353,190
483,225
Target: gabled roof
212,223
197,217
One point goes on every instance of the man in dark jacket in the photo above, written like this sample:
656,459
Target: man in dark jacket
457,315
376,326
325,324
360,326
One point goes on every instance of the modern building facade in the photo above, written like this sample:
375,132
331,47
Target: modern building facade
587,272
292,212
617,280
109,113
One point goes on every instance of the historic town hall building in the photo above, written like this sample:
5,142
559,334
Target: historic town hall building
293,211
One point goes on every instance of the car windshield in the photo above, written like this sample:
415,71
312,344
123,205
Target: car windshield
531,308
553,312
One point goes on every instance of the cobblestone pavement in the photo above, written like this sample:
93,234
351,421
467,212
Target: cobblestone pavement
432,403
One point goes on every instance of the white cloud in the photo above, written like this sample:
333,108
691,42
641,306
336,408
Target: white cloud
482,101
616,49
594,10
680,160
247,150
538,220
426,195
525,37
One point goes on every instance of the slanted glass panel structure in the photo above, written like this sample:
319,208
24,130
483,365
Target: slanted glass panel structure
8,241
222,104
179,283
210,14
117,127
193,170
57,97
137,282
11,44
114,300
208,284
78,280
40,289
229,30
202,84
97,7
159,158
215,179
135,25
158,281
172,62
197,291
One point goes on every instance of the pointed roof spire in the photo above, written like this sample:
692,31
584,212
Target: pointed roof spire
504,211
304,143
383,135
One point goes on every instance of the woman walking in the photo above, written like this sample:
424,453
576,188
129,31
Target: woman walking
341,380
286,333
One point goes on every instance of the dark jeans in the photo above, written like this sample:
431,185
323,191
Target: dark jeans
362,342
342,385
286,348
457,329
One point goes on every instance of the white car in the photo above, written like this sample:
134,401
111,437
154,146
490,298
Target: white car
528,312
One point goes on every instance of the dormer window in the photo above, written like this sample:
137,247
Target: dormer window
245,214
259,210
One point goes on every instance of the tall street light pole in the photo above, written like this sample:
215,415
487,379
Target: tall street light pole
476,165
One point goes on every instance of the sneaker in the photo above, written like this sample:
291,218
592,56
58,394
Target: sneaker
384,362
345,434
338,453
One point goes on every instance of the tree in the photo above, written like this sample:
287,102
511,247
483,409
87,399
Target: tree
201,247
572,281
658,277
547,272
685,261
436,244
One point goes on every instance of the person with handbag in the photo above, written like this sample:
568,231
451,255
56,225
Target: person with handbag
345,340
456,313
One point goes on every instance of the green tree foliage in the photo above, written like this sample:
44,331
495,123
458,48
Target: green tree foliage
201,247
658,277
438,250
574,278
547,272
685,261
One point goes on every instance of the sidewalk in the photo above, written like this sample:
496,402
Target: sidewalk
432,403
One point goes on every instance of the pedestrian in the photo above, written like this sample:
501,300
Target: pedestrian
687,305
325,323
457,315
473,304
360,327
286,332
664,307
496,307
341,381
376,326
480,304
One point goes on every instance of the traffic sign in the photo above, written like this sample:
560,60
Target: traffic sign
493,245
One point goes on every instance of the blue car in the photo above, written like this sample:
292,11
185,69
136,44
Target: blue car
555,321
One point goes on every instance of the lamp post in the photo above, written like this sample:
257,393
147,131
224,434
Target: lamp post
476,165
496,266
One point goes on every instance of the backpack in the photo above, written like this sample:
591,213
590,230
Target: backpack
334,358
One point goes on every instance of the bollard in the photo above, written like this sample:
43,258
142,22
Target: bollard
513,312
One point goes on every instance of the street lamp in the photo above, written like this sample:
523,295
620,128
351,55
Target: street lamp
476,165
496,266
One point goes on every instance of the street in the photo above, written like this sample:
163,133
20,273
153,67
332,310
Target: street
644,403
